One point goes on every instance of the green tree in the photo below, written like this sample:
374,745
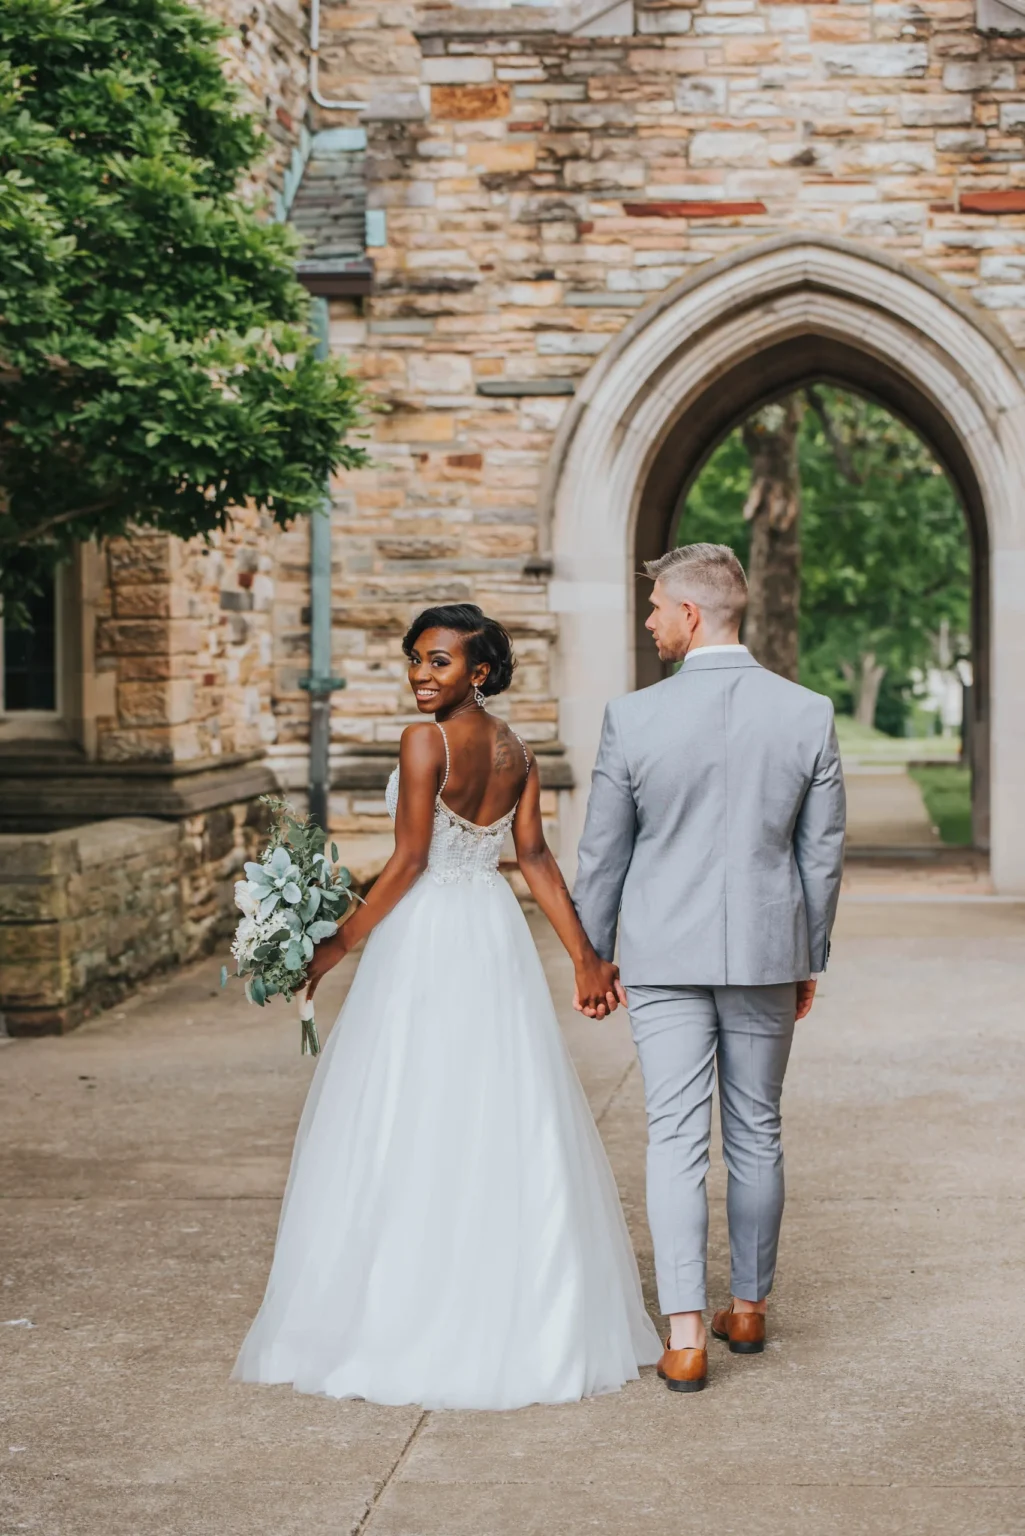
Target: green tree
155,367
885,558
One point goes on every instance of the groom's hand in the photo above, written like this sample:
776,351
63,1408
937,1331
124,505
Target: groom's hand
805,998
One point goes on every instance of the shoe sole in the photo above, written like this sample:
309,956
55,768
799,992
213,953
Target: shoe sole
740,1348
684,1386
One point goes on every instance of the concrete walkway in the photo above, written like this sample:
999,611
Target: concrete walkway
141,1165
885,809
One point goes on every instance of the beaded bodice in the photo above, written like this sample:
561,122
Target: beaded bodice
460,849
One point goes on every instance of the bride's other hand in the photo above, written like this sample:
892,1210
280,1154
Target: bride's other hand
597,989
326,956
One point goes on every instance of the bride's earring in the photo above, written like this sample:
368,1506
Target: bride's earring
479,699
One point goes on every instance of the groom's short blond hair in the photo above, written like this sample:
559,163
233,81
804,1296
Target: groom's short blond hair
709,575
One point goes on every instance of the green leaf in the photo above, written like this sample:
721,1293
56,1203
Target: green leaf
334,853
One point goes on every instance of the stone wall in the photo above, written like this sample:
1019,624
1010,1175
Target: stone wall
540,187
186,631
267,52
88,913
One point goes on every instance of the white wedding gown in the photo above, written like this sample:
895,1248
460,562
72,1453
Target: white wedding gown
451,1233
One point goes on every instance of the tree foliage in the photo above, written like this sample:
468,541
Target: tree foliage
155,366
885,554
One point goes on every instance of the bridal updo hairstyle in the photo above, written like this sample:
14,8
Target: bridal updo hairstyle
486,641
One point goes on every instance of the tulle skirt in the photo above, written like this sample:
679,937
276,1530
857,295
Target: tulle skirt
451,1233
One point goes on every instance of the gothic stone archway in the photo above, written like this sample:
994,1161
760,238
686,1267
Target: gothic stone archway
760,322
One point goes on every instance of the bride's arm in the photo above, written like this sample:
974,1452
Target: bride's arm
421,764
596,979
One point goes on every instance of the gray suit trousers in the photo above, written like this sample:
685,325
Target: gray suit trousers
684,1035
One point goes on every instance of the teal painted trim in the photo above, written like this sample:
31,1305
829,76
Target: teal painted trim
320,543
333,141
293,176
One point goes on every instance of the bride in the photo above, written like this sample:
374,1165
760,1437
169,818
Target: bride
451,1233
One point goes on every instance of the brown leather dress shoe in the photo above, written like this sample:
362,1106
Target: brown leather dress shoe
684,1370
745,1331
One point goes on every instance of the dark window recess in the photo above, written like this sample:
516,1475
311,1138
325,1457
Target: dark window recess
30,656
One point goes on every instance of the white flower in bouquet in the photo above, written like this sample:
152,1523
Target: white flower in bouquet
291,900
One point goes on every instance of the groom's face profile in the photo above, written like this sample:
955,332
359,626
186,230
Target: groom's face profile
672,623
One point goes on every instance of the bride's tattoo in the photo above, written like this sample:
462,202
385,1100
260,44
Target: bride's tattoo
504,757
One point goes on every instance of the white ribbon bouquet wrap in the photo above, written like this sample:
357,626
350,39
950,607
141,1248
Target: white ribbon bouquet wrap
291,900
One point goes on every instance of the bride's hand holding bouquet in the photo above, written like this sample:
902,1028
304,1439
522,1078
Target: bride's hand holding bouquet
291,903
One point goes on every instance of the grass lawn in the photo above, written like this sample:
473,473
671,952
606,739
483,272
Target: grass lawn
947,792
868,745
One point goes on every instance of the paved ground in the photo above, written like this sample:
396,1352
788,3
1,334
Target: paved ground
142,1160
885,808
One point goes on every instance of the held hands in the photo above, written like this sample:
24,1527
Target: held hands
598,990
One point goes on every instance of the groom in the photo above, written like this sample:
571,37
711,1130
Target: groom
714,837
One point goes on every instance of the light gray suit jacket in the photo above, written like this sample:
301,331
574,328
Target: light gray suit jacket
715,828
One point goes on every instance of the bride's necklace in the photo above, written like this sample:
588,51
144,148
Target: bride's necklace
465,708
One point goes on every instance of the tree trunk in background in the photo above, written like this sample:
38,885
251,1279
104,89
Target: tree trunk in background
773,509
864,684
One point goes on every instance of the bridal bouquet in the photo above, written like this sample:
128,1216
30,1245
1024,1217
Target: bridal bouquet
289,901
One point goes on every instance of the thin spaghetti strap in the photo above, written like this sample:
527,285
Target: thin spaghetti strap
523,744
448,759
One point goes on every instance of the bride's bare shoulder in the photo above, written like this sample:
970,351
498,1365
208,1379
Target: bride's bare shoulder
421,747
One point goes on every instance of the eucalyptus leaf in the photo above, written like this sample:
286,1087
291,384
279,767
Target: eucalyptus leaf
334,853
322,930
293,957
269,903
310,905
307,946
291,892
259,991
343,877
280,863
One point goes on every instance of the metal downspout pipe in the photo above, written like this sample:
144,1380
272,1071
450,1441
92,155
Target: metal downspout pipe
320,684
323,101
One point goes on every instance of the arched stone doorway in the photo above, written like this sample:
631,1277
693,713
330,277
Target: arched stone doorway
710,350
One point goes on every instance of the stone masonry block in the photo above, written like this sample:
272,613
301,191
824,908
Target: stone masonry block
933,111
470,103
979,75
457,71
876,61
27,942
32,984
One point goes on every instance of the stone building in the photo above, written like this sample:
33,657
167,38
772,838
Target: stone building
567,248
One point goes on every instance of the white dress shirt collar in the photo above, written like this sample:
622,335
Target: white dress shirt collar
705,650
